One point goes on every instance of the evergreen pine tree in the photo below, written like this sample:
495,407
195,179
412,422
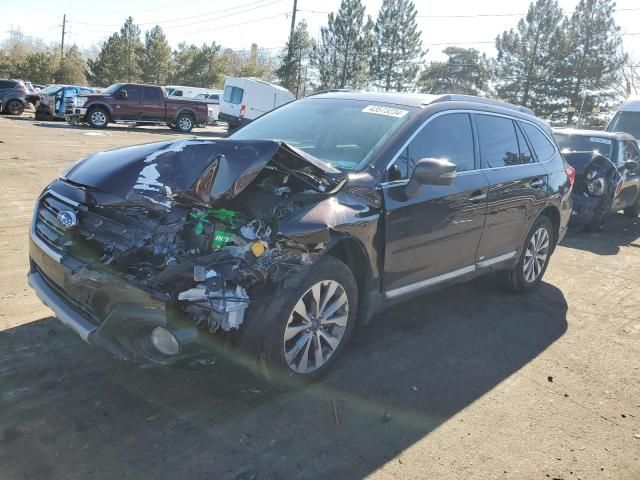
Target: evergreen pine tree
398,48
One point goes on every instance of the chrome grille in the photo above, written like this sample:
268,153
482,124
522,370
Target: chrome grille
47,226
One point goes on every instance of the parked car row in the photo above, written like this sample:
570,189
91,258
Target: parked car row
279,240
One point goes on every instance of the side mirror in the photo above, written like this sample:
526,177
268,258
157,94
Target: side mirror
430,171
122,94
631,165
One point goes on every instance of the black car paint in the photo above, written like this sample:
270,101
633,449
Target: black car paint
393,242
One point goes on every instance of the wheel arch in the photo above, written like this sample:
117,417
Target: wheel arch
553,214
353,254
103,106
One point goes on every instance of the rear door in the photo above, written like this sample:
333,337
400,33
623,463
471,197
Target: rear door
232,100
517,185
153,104
434,235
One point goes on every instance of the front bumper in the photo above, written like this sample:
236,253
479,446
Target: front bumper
108,312
77,115
584,208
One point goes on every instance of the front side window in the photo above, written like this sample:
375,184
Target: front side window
542,146
132,94
628,151
448,136
233,95
498,141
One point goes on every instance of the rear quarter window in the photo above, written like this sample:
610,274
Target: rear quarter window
542,146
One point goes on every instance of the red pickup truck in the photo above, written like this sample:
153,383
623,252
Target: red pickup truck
136,104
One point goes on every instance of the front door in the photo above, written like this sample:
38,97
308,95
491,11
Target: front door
127,107
630,184
433,236
518,186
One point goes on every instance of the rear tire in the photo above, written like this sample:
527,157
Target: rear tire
184,123
634,210
14,107
302,343
534,258
97,118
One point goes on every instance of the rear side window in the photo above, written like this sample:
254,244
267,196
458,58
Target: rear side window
152,94
525,152
7,84
498,141
542,146
233,95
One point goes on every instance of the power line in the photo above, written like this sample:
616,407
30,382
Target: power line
206,14
475,15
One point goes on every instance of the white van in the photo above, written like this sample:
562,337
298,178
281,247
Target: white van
627,118
245,99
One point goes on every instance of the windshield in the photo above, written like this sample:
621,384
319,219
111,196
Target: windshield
584,143
112,89
626,122
343,133
201,96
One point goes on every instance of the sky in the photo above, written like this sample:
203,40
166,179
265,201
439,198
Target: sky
238,24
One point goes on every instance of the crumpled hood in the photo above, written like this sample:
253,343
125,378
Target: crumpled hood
201,171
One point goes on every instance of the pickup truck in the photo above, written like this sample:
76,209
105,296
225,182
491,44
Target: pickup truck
137,104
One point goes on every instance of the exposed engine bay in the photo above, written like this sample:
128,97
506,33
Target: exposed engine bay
203,240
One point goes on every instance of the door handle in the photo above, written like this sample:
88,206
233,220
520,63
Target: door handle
477,197
537,183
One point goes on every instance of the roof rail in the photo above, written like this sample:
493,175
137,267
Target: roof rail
331,90
483,100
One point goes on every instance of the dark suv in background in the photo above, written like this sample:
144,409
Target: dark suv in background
12,97
312,218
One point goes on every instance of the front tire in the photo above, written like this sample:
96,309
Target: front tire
98,118
14,107
309,324
184,123
534,258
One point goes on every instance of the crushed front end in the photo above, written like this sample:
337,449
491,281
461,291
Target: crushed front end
154,252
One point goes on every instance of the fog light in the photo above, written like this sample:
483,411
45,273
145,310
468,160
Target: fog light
164,341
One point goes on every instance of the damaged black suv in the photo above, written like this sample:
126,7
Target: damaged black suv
278,241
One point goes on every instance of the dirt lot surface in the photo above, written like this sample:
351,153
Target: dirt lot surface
463,384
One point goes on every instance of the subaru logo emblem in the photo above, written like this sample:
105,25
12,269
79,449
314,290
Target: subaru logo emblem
67,219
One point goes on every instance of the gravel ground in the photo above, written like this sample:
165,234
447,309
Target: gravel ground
467,383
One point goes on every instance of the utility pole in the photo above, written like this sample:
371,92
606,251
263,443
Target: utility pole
293,26
64,24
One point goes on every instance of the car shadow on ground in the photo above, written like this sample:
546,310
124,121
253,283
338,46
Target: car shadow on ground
620,231
160,130
69,410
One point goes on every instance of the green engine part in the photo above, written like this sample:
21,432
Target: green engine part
221,217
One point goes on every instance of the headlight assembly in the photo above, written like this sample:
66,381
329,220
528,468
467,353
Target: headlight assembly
79,101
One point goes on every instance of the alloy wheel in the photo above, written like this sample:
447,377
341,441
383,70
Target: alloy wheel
536,255
98,118
185,123
316,326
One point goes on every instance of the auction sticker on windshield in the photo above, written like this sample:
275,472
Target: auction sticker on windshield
388,111
606,141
